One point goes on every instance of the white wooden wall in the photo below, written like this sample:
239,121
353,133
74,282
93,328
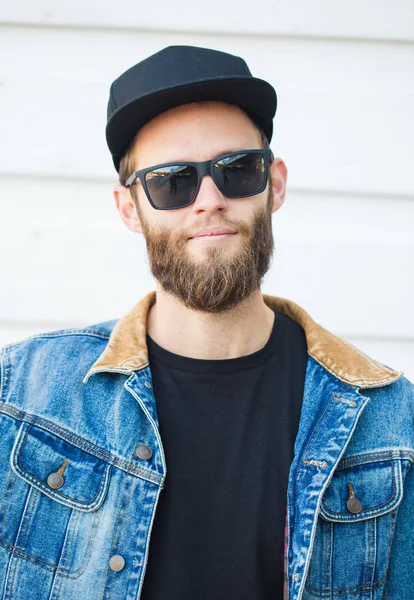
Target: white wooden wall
344,126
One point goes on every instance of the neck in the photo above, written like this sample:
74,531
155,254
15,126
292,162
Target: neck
235,333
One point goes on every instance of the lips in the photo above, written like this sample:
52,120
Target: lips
212,231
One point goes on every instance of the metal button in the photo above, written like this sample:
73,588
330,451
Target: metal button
148,385
55,480
353,504
117,562
143,452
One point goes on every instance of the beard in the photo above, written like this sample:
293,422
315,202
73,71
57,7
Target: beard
221,280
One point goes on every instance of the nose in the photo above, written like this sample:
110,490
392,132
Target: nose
209,198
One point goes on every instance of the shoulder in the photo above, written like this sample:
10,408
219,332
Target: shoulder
57,351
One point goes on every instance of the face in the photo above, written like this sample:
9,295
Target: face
210,274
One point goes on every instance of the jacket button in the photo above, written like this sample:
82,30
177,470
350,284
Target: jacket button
55,480
143,452
148,385
117,562
354,505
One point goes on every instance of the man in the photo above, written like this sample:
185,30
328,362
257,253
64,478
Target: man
173,452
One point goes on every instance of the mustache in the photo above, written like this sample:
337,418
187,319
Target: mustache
220,281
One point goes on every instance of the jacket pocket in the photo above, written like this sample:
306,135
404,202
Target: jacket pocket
355,527
50,509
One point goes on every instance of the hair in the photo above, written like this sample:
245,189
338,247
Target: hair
126,165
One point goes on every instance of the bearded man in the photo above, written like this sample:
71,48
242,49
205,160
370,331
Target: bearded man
214,443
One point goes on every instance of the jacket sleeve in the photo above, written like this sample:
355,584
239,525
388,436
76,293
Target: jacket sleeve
399,584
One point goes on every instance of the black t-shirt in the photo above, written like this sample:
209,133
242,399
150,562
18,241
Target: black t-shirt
228,428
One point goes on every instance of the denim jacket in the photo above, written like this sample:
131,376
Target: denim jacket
82,467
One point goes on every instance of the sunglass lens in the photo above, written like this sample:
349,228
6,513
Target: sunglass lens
172,186
240,174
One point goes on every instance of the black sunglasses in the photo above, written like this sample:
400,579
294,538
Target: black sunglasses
236,174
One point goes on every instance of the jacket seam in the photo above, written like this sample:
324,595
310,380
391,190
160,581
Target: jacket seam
4,373
81,443
92,504
390,502
370,457
328,593
307,451
60,333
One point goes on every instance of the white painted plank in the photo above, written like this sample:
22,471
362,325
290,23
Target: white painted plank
347,260
345,120
375,19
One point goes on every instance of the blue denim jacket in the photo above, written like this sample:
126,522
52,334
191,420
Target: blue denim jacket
77,501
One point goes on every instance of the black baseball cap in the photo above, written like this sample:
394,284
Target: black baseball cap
177,75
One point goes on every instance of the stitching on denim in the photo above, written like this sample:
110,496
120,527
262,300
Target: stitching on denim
70,534
332,541
66,573
5,365
324,416
301,471
324,556
29,476
19,554
367,546
123,464
350,403
108,571
34,499
49,566
316,463
146,427
393,517
58,581
11,578
118,533
312,439
73,502
324,486
360,459
3,508
390,503
58,333
329,593
21,526
139,434
375,535
151,420
2,371
16,551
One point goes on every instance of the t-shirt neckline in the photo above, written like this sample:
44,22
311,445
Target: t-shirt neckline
214,366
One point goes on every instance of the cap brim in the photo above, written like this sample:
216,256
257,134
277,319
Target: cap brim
256,96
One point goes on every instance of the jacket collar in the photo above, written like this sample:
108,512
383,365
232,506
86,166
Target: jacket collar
127,351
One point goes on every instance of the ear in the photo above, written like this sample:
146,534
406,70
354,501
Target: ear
278,172
127,208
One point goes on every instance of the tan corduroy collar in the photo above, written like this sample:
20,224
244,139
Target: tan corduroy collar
127,351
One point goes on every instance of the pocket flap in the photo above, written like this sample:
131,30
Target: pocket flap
377,486
82,479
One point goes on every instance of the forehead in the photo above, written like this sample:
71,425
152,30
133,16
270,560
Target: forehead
195,131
